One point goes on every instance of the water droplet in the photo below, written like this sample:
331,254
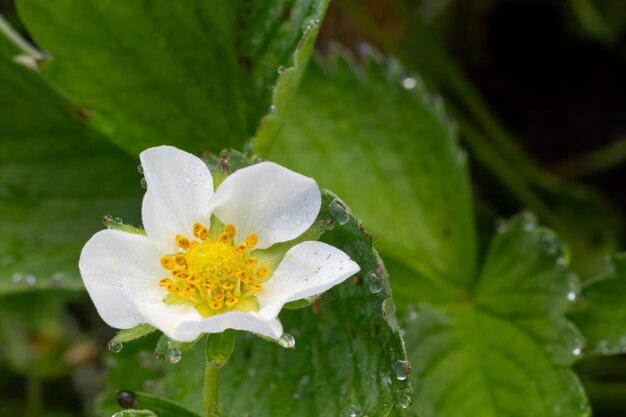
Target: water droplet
287,341
409,83
140,169
280,69
373,282
562,261
309,24
529,226
403,369
173,356
251,372
144,183
107,220
115,347
118,220
386,379
17,278
404,400
339,211
577,351
31,280
572,295
272,109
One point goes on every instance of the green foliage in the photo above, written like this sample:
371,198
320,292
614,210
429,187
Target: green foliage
601,315
56,182
197,74
349,355
494,342
409,179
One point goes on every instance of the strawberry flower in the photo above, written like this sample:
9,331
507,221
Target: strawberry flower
212,260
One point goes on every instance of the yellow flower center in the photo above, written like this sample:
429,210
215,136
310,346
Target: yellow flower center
214,275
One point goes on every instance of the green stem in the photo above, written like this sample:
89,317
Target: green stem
33,396
210,394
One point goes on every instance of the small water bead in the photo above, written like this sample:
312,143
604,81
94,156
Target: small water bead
309,24
17,278
280,69
143,183
402,369
107,220
173,356
404,401
287,341
373,282
339,211
409,83
140,169
577,351
118,220
31,280
114,347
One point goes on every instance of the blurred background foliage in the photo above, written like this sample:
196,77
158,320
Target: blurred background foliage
432,119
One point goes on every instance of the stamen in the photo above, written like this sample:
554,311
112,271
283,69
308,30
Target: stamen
252,240
262,271
165,282
208,285
180,260
240,248
247,278
216,305
197,226
240,275
228,286
203,234
172,288
230,230
167,263
223,237
182,275
188,292
250,262
182,242
193,280
231,301
256,287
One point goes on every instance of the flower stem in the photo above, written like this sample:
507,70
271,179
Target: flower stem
210,395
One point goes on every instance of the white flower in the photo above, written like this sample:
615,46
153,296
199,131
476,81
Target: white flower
212,260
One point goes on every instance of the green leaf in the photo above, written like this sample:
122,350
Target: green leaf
507,350
127,335
349,356
141,404
375,137
56,182
601,315
196,74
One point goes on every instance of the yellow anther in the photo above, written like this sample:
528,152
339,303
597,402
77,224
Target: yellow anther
223,237
182,242
219,295
193,244
252,240
197,226
178,274
228,286
240,248
193,279
256,287
231,301
203,234
262,271
180,260
189,290
247,278
207,285
167,263
216,305
230,231
250,262
165,282
172,289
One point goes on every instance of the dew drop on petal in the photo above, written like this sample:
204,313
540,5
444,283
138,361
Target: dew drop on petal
287,341
409,83
143,183
140,169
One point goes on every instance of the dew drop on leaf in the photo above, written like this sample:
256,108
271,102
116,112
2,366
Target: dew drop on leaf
339,211
403,369
114,347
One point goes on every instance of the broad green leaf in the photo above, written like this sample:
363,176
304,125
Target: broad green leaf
57,180
198,74
507,350
374,136
349,356
601,315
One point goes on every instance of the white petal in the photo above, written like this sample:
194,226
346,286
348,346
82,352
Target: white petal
166,317
179,189
272,201
308,269
237,320
109,260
